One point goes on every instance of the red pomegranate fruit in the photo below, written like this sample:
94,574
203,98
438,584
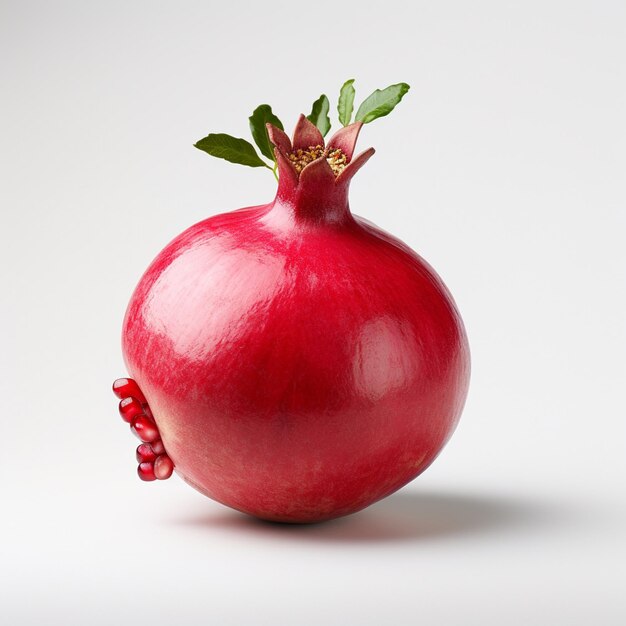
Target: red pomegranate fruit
291,360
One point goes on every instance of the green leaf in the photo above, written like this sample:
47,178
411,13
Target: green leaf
319,114
381,102
261,116
345,105
232,149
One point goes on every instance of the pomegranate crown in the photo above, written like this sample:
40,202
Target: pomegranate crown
307,154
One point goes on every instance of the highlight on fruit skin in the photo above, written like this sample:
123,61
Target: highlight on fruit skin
154,463
300,363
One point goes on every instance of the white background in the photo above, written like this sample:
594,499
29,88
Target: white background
504,167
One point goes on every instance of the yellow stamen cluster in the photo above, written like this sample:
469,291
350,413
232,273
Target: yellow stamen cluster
336,158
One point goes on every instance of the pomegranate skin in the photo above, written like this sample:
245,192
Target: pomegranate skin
300,363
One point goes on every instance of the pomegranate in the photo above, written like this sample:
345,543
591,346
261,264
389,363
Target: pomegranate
291,360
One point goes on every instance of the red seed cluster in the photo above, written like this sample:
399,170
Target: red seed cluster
154,463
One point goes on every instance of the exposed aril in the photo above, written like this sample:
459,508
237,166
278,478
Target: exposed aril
130,408
163,467
126,388
146,453
146,471
145,429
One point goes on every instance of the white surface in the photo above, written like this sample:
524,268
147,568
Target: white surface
504,167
